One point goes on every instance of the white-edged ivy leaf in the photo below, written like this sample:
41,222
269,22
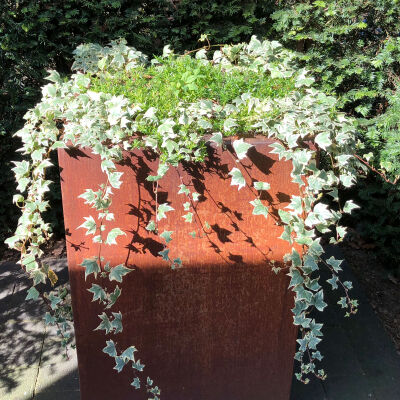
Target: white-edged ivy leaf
38,276
119,363
318,301
136,383
241,148
296,278
349,206
30,263
105,323
129,354
113,297
33,294
138,366
117,322
195,196
192,234
335,264
333,282
49,319
259,208
216,138
262,186
98,292
183,190
229,123
91,267
285,216
118,272
188,217
162,209
164,254
323,140
237,178
110,349
54,300
177,261
151,226
90,225
115,179
166,235
186,206
112,235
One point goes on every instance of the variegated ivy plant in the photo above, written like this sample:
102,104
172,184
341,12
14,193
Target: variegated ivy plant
76,111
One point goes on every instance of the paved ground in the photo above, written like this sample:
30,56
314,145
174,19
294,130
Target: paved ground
360,358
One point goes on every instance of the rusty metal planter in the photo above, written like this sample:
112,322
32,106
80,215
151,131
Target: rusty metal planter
218,328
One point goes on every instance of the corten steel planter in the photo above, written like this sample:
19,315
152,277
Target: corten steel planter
218,328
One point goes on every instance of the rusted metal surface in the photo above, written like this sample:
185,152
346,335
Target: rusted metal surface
218,328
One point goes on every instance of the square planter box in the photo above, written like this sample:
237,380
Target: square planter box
219,327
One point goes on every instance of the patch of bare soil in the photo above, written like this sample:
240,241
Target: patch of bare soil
380,286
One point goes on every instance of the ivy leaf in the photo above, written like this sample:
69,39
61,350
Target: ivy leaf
49,319
164,254
136,383
129,354
188,217
30,263
318,301
349,206
216,138
195,196
262,186
90,225
110,348
323,140
335,264
151,226
138,366
237,178
162,209
114,297
119,363
112,235
333,282
117,322
33,294
192,234
98,292
183,190
38,276
166,235
54,300
259,208
229,124
296,278
241,148
118,272
186,206
91,267
115,179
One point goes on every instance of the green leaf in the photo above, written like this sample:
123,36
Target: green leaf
136,383
241,148
192,234
129,354
30,262
186,206
98,292
33,294
229,124
349,206
195,196
119,364
151,226
162,209
115,179
259,208
335,264
38,276
183,190
91,267
164,254
237,178
89,224
114,297
117,322
105,323
188,217
118,272
296,278
323,140
262,186
49,319
318,301
110,348
216,138
112,235
166,235
54,301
